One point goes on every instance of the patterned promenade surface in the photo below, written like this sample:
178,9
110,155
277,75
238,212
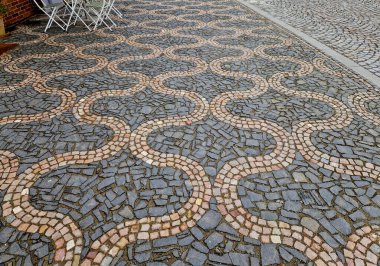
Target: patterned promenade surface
351,27
196,133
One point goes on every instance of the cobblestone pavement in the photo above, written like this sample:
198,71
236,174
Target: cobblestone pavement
197,132
350,27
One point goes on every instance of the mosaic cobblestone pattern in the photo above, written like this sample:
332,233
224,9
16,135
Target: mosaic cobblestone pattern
197,132
350,27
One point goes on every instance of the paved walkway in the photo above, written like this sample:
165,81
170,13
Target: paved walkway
351,27
196,133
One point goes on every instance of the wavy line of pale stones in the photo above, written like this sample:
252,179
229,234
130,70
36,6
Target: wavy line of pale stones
227,179
112,243
240,218
16,208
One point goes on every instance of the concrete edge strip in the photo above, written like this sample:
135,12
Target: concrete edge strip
361,71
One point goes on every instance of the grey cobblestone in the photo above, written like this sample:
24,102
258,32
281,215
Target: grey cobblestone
350,27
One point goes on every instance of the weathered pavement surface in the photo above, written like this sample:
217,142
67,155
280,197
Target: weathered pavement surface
197,132
350,27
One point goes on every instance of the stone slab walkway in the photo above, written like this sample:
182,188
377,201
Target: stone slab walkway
350,27
196,133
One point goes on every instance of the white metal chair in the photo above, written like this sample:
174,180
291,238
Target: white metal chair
76,10
99,12
117,12
53,9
